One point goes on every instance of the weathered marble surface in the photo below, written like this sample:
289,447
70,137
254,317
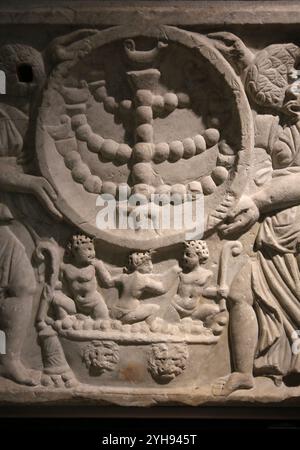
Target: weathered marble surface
185,101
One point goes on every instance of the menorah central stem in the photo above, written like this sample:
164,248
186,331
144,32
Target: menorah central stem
144,83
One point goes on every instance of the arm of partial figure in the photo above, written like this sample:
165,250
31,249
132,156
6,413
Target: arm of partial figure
11,180
279,193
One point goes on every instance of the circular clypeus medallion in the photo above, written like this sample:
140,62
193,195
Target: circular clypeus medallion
156,114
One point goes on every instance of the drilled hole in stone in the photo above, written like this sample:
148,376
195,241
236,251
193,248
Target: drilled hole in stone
25,73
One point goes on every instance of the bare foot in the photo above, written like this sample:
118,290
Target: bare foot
217,322
64,380
16,371
226,385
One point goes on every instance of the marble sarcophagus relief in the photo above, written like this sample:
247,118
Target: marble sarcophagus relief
103,135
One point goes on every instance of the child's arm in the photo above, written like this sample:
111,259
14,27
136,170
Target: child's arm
169,277
61,278
209,291
104,276
63,282
154,287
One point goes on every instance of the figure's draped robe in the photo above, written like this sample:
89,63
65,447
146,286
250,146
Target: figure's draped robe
14,262
275,272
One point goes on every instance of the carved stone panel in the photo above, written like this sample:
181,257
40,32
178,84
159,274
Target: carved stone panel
149,214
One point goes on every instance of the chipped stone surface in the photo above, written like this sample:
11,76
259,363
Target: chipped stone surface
159,114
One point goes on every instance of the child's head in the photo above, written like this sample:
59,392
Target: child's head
82,249
195,252
140,261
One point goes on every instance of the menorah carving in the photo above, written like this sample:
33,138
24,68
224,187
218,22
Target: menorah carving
137,115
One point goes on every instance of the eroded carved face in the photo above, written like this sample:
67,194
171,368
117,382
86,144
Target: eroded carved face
101,356
84,254
196,252
145,267
141,262
167,361
190,259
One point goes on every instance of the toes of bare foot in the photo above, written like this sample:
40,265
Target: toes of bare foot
65,380
35,376
218,386
46,380
226,385
58,381
17,372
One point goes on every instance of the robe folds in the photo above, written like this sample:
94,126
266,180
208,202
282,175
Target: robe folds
276,287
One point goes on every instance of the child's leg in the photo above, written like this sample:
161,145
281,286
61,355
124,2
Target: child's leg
205,310
100,311
64,305
141,313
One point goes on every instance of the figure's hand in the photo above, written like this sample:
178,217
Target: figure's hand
226,41
24,158
233,48
44,192
241,217
223,291
64,48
